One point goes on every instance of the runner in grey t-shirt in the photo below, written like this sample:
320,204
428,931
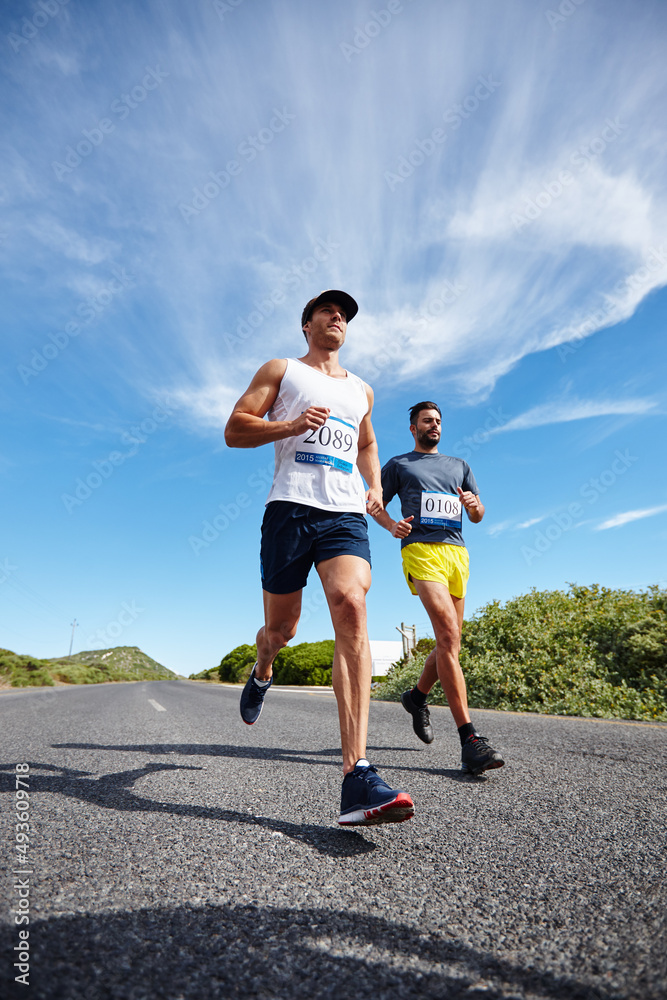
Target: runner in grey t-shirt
434,490
417,472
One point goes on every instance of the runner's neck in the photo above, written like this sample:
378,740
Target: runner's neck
325,362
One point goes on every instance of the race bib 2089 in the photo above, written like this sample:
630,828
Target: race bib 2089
334,444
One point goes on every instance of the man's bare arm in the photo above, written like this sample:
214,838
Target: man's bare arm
473,505
247,428
398,529
368,460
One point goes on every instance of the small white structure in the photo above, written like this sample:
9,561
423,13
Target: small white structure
384,652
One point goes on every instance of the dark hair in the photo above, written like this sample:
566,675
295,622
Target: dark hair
418,407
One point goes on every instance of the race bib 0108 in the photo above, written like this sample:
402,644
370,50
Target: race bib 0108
334,444
440,509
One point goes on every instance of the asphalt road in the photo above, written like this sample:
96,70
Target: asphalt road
176,853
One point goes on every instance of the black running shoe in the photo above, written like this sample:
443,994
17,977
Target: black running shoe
366,799
477,756
421,718
252,699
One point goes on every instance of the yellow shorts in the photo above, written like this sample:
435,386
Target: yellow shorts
439,562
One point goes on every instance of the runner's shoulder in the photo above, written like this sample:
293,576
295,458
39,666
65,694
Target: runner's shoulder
271,372
398,465
460,461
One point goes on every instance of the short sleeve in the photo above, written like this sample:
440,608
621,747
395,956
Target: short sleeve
389,481
469,481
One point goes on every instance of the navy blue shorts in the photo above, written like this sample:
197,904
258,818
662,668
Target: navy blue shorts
296,537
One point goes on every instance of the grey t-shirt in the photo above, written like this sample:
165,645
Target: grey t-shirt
426,486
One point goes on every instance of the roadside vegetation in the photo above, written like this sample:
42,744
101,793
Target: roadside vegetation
122,663
307,663
588,651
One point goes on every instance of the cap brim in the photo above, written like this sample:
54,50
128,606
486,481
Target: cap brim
340,298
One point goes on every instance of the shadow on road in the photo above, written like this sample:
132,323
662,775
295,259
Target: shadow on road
114,791
273,754
232,951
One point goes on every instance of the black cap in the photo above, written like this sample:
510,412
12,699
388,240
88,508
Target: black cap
332,295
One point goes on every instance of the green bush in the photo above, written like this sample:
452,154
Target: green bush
24,671
211,673
307,663
590,651
79,673
236,666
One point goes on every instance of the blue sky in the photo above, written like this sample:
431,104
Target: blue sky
179,178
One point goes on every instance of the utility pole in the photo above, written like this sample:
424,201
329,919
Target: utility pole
409,636
71,642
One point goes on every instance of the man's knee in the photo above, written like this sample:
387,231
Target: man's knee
447,635
280,635
348,608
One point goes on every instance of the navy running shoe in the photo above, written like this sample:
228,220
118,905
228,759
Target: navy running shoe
477,756
366,799
252,699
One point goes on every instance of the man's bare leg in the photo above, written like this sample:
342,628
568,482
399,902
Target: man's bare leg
446,614
281,614
281,617
443,613
346,580
429,674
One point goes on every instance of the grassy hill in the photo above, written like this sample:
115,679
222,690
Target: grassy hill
122,663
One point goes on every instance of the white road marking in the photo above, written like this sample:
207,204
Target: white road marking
156,705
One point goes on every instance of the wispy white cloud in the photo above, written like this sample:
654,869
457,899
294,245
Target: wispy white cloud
630,515
566,410
401,247
512,525
71,244
206,406
529,523
499,527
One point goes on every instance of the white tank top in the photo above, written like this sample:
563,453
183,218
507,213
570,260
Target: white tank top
319,467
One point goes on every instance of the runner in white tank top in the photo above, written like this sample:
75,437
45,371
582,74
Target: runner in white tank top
320,423
319,467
